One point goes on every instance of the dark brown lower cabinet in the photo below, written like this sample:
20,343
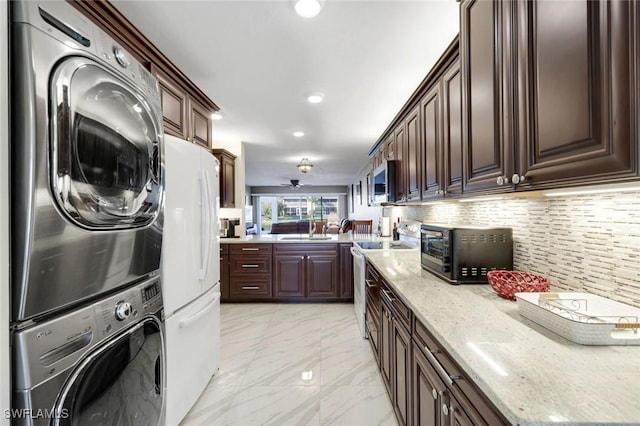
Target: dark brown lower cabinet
395,355
346,271
426,386
224,272
305,271
429,392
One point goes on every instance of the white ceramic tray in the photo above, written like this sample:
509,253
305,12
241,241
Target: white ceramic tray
582,317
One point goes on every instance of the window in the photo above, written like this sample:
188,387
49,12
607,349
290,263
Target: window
292,209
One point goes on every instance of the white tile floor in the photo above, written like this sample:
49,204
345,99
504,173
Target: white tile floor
293,364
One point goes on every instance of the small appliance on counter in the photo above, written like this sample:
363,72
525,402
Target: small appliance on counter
464,254
228,228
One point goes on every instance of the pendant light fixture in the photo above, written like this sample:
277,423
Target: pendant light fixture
305,165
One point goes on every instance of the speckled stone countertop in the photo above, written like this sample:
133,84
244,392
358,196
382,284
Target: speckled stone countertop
303,238
532,375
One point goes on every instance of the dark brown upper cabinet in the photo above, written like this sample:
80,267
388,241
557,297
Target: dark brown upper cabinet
413,156
400,137
549,96
452,129
183,116
576,98
487,129
431,108
227,177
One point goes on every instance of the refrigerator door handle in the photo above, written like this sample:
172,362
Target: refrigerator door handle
205,202
202,312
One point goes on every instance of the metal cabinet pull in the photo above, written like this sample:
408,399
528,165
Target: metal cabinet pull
369,284
250,287
250,249
434,393
389,298
447,410
436,364
250,266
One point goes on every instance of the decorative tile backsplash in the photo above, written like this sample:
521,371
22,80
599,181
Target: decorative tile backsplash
585,243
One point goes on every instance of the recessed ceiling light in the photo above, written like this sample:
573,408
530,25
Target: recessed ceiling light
298,134
216,116
308,8
315,98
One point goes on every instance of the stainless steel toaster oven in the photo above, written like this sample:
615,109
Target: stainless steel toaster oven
464,254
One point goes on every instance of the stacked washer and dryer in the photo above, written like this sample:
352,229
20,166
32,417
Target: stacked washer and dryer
87,178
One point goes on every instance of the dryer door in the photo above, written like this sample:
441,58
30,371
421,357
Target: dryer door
106,168
119,384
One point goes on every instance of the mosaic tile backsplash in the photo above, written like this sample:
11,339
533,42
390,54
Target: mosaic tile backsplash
587,243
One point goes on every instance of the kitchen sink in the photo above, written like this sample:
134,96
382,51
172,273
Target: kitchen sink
305,238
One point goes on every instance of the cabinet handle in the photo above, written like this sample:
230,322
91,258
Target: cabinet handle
502,180
369,285
434,393
250,249
517,179
436,364
250,287
389,298
250,266
447,410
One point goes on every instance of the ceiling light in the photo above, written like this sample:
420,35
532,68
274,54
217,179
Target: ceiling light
216,116
298,134
308,8
305,165
315,98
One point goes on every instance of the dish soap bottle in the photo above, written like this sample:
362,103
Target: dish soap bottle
396,235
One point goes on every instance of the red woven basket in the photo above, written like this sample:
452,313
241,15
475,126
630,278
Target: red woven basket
508,283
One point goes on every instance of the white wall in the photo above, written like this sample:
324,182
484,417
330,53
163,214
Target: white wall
237,149
5,384
360,208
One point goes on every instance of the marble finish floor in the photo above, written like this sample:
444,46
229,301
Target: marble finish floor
293,364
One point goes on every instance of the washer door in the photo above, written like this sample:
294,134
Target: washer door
105,159
119,384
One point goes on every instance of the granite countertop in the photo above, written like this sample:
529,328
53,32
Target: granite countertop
532,375
304,238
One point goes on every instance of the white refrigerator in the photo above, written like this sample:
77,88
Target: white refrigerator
190,273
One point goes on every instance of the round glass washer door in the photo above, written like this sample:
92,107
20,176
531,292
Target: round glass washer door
106,168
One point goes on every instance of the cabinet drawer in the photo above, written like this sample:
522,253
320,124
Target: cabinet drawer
250,248
250,287
250,265
306,248
399,309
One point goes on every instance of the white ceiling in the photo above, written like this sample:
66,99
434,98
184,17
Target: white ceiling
258,60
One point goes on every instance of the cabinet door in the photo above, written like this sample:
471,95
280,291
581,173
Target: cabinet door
288,275
174,105
227,177
372,322
487,130
428,392
390,147
576,92
401,377
452,129
346,272
431,143
456,415
386,353
321,275
224,276
413,159
200,130
400,156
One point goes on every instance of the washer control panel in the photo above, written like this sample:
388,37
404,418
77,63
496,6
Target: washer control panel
53,346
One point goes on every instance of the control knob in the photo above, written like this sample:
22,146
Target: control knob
122,310
121,57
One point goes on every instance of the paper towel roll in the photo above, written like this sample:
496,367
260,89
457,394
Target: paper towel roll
385,227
